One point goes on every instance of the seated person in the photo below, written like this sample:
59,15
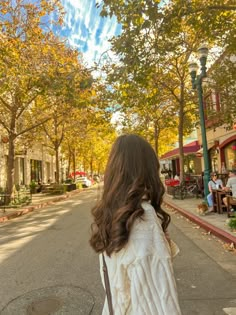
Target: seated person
231,184
214,183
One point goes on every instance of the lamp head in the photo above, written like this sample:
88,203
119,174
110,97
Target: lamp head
193,67
203,51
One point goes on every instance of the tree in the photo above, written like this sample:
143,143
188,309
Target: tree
34,63
158,39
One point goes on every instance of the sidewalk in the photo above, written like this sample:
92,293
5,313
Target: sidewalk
214,223
38,201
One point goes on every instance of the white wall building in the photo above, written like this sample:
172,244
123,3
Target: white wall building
31,164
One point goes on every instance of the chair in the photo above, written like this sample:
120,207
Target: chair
215,200
230,202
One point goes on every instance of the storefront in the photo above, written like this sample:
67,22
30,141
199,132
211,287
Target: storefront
228,154
192,163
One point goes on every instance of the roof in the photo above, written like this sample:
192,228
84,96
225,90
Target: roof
189,148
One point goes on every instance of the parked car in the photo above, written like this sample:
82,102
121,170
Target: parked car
84,181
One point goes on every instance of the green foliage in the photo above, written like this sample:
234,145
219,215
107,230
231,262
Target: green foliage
79,186
232,223
155,48
39,73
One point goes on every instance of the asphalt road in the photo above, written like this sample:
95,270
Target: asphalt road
46,264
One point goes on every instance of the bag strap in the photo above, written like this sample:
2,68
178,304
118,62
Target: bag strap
107,285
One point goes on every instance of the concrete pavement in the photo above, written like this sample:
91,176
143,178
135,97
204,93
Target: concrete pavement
47,265
214,223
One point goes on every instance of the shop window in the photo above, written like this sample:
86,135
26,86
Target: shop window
214,160
22,171
230,156
189,165
48,172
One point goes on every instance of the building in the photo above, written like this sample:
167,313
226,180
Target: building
220,114
192,163
36,163
220,131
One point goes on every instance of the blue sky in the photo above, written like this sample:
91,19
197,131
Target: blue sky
86,30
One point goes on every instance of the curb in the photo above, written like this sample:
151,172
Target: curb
29,209
226,237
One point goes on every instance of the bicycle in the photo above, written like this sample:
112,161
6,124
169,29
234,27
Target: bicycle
184,190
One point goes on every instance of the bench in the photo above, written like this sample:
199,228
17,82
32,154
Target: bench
53,189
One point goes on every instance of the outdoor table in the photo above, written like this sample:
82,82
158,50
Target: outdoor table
218,195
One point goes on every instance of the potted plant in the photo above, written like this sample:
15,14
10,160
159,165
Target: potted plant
32,187
232,224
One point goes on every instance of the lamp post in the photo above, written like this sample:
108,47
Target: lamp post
197,84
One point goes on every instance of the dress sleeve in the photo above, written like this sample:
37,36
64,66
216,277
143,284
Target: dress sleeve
152,287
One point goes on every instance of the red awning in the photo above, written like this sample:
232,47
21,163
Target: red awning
190,148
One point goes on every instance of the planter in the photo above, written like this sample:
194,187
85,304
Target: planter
70,187
170,190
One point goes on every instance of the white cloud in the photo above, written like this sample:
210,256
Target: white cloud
86,30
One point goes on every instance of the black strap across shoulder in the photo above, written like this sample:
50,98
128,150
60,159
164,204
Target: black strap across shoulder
107,285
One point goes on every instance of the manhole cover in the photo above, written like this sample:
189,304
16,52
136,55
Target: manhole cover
44,306
59,300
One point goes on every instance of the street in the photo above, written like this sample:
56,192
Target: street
47,265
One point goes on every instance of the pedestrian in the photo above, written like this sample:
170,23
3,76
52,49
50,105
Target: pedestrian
39,186
231,185
214,183
130,233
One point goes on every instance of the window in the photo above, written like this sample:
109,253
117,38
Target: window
22,171
36,170
230,155
214,160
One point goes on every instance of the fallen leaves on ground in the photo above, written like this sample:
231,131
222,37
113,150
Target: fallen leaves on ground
229,247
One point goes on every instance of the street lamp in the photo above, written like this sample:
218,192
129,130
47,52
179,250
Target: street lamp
197,84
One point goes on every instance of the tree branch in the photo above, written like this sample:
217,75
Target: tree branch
27,104
34,126
5,103
4,125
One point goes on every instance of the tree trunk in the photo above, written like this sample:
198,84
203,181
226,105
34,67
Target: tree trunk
69,162
156,136
57,165
10,167
91,166
74,163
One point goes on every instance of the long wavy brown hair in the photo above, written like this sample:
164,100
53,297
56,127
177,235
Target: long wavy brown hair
132,174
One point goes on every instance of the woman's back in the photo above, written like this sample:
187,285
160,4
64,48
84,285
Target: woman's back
141,275
130,232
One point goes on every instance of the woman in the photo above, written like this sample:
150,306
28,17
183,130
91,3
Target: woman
214,183
129,228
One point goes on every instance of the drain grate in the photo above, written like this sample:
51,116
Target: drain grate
44,306
55,300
